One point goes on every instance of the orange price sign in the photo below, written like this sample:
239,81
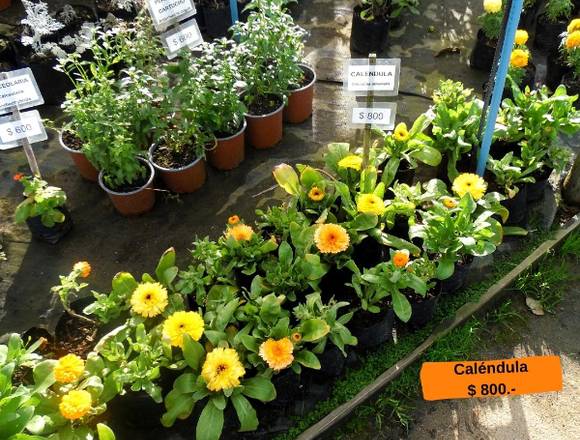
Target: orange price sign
466,379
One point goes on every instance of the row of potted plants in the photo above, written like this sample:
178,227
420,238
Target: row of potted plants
131,117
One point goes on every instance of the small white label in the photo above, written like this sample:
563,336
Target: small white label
381,115
19,90
28,126
167,12
186,35
380,77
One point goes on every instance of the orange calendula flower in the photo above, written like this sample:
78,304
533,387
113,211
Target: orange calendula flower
315,194
449,202
69,369
573,40
233,220
331,239
83,268
75,404
277,354
18,177
296,337
401,258
241,232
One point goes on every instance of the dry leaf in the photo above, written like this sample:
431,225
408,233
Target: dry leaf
535,306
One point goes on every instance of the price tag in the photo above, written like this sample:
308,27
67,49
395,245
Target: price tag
164,13
380,115
19,89
507,377
28,126
381,77
185,35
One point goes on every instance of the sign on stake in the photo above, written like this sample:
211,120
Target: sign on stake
19,88
186,34
165,13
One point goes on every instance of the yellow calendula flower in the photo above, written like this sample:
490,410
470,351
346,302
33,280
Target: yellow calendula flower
401,258
75,404
69,368
401,133
233,220
331,239
352,161
573,40
222,369
574,25
519,58
277,354
370,204
149,299
449,202
83,268
241,232
492,6
469,183
521,37
183,323
315,194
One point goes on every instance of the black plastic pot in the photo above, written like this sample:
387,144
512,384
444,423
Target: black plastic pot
50,235
572,86
555,70
332,361
368,36
457,280
483,53
405,174
217,21
464,165
8,53
333,284
368,253
499,149
288,387
135,410
374,331
518,208
548,35
528,19
535,191
400,227
423,312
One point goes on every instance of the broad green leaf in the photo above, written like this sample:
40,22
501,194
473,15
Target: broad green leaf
104,432
287,178
246,414
308,359
314,329
166,262
210,423
259,388
401,306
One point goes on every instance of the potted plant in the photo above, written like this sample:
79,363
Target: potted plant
455,126
43,209
551,24
217,17
267,63
220,111
521,70
570,53
370,26
562,63
484,51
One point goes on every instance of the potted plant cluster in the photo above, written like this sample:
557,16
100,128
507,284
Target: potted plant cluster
484,51
551,24
570,54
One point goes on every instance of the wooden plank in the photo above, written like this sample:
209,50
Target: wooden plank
493,294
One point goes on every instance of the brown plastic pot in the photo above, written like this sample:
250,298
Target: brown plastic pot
86,169
5,4
182,180
299,107
265,131
135,202
230,151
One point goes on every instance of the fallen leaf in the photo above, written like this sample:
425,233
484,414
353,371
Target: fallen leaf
535,306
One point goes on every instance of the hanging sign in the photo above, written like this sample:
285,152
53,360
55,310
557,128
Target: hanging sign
164,13
380,77
378,114
13,132
19,89
185,35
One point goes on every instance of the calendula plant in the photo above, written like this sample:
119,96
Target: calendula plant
41,200
388,281
520,57
410,146
570,47
557,10
372,10
455,122
398,7
69,286
276,220
492,18
509,173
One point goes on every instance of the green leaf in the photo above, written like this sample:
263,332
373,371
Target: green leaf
445,269
285,254
287,178
390,171
514,231
186,383
124,285
364,222
246,413
309,177
401,306
259,388
308,359
104,432
428,155
178,406
210,423
314,329
166,262
43,375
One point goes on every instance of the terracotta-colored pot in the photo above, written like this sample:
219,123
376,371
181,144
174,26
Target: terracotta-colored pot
5,4
299,107
265,131
135,202
182,180
229,152
86,168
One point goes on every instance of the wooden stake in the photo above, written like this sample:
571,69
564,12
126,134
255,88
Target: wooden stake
367,129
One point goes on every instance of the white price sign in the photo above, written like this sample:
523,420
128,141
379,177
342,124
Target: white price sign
28,126
380,77
381,115
164,13
186,35
19,88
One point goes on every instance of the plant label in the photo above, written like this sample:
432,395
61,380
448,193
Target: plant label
185,35
12,132
380,115
164,13
19,88
380,77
